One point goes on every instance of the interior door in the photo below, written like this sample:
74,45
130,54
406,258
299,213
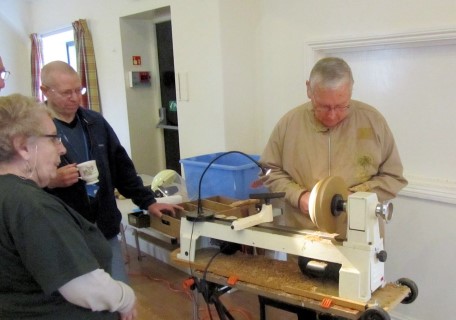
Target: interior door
168,112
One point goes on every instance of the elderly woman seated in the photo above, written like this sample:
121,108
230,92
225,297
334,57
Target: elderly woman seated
54,264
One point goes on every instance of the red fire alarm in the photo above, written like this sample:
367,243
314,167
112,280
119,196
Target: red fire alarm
136,60
140,79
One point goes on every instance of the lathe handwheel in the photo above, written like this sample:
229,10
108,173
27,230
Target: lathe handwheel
320,201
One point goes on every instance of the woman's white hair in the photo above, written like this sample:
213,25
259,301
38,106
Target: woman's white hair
19,116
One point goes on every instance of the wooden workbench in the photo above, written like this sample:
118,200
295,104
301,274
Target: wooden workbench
283,281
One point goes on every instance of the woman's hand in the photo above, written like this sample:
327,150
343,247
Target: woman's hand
130,315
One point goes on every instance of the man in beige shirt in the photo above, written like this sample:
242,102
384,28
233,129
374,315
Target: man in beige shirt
331,135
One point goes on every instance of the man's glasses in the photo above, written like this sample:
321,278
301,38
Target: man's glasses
328,109
56,138
4,75
69,93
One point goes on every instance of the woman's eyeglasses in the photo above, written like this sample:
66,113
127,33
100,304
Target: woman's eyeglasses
56,138
4,75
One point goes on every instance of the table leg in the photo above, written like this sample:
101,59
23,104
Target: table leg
123,239
138,249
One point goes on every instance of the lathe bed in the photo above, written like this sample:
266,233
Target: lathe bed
283,281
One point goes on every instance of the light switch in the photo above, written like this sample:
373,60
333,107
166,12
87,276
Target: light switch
182,82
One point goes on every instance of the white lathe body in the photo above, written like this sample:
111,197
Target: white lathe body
361,256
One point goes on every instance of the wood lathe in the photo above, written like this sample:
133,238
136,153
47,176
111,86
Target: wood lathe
348,240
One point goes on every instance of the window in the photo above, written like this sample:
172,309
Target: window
59,46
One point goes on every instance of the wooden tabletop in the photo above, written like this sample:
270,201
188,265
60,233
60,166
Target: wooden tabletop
283,281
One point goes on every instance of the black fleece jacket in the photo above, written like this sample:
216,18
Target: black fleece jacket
116,171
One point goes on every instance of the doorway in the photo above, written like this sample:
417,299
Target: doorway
168,112
152,110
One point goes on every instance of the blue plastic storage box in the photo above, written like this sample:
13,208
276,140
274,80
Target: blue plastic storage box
231,175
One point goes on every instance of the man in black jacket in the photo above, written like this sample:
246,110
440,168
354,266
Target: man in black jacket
88,136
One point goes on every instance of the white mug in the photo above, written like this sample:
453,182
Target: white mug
88,171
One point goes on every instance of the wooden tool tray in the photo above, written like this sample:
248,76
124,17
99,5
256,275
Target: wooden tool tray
218,205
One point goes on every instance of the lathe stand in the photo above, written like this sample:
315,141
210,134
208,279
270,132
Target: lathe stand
211,293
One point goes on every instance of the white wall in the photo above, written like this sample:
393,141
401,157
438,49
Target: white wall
198,58
14,48
265,44
138,38
239,21
419,243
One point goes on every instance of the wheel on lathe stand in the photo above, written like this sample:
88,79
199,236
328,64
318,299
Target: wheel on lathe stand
375,313
413,290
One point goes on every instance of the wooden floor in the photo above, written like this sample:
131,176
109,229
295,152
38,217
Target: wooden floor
159,290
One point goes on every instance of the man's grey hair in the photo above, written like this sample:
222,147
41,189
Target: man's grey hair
330,72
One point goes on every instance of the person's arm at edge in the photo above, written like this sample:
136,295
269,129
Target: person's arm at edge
97,291
130,184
